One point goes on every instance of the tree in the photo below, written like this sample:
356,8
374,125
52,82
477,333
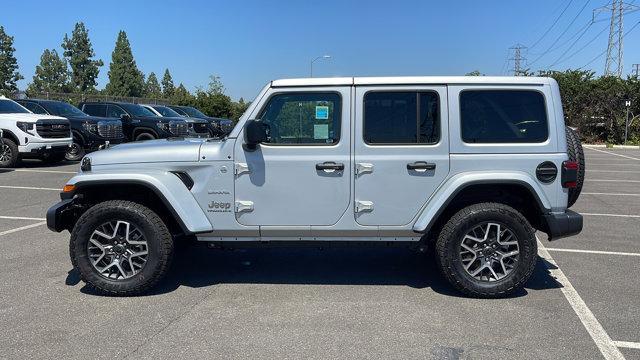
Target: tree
182,96
474,73
51,74
124,77
9,74
152,87
167,84
79,53
239,108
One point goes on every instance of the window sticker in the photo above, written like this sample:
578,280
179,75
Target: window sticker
321,131
322,113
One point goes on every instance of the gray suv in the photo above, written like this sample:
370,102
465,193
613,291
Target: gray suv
470,166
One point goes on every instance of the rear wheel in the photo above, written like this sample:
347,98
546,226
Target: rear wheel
8,153
576,153
121,247
487,250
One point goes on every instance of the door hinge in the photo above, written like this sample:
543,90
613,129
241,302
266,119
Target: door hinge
364,206
242,206
241,168
364,168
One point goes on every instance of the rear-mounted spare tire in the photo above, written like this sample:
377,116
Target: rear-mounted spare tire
576,153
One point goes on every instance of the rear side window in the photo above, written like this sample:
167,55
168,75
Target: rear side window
95,109
401,117
303,118
503,116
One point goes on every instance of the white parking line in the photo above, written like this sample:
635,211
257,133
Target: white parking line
22,228
21,218
612,153
608,194
44,171
627,344
613,163
28,188
607,180
607,347
611,215
615,171
594,252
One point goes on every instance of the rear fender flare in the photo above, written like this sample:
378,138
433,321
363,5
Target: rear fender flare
448,191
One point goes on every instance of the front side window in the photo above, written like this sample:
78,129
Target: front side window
138,110
303,118
95,109
503,116
115,111
401,117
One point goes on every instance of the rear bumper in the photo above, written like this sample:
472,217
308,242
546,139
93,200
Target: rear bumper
561,225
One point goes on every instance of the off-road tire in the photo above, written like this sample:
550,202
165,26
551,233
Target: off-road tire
12,149
144,136
448,256
576,153
160,247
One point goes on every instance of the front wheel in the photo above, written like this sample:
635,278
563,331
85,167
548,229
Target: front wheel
487,250
75,152
121,248
8,153
144,136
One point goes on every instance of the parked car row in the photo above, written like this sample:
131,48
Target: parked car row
56,130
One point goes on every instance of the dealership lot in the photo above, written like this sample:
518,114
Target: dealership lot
352,302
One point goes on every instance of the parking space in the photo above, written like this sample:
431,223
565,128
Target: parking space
582,301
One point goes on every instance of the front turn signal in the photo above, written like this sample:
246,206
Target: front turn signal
69,188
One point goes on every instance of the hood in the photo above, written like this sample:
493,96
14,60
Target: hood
149,151
29,117
93,119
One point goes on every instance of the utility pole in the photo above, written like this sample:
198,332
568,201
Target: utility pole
614,66
636,69
518,59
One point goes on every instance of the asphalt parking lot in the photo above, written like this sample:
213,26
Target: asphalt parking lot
582,302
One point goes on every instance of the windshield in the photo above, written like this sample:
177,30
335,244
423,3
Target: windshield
137,110
10,107
193,112
166,111
63,109
179,110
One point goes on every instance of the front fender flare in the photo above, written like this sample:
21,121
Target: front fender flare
448,191
167,186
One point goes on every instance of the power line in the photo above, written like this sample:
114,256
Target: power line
614,64
571,46
552,25
605,51
585,45
562,34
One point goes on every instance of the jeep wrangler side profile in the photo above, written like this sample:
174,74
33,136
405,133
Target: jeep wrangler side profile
472,166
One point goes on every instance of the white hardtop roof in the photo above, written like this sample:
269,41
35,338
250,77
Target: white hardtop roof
413,80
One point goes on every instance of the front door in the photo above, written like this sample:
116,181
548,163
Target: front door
301,176
401,151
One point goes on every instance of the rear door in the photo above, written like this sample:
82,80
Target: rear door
401,151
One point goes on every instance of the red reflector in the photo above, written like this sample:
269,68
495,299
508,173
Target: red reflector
570,184
571,165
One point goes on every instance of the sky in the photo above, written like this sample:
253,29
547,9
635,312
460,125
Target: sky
248,43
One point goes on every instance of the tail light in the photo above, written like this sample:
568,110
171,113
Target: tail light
569,175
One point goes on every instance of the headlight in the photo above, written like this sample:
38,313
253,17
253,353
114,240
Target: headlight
163,126
25,126
90,127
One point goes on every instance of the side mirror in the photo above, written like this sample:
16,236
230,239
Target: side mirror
255,132
125,117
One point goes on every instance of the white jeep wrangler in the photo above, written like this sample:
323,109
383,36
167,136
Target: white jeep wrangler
24,134
472,166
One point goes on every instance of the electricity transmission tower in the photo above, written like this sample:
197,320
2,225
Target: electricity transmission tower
636,69
518,59
615,47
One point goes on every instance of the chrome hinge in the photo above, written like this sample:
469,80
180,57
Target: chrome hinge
241,168
363,168
364,206
242,206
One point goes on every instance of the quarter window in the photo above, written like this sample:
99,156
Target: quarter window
401,117
303,118
503,116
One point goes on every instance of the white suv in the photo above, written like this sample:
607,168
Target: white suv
24,134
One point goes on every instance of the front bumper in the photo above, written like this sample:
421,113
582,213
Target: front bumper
57,215
39,148
559,225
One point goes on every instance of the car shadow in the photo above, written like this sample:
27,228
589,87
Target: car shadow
200,267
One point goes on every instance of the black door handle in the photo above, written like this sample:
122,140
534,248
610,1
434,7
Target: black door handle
421,165
330,165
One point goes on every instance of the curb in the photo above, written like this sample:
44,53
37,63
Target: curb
635,147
